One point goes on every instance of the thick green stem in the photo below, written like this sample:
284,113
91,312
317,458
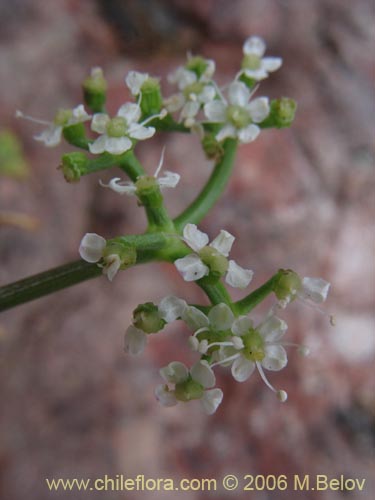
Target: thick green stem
216,293
248,303
212,190
130,164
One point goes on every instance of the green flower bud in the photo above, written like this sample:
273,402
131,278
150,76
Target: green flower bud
282,113
188,390
76,135
147,318
95,90
198,65
287,285
152,101
74,165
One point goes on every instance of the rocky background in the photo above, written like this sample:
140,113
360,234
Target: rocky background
72,405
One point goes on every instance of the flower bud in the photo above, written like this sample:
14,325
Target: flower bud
214,150
282,113
94,90
188,390
146,317
74,165
152,101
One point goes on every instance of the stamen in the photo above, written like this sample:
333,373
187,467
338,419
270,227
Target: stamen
332,319
157,172
231,358
281,395
163,113
303,350
19,114
219,92
200,330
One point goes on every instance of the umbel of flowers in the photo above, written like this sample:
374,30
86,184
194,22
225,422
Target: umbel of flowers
223,336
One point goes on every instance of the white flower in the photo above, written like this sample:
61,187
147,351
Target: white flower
261,347
64,118
196,89
116,133
239,116
189,385
91,250
254,65
315,289
211,256
167,180
134,80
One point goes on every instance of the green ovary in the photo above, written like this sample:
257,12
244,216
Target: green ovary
253,346
116,127
62,116
251,61
238,116
193,89
188,390
217,262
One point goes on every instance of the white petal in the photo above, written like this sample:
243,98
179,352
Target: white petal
210,69
165,396
134,80
238,94
223,242
237,276
256,74
259,109
51,136
208,94
241,325
203,373
254,45
215,111
221,317
79,115
194,318
99,145
225,353
271,63
120,187
191,267
130,111
190,109
211,400
242,368
174,102
140,132
91,247
315,289
170,308
169,179
185,78
117,145
174,373
248,134
195,238
227,131
99,122
272,329
112,265
275,357
134,340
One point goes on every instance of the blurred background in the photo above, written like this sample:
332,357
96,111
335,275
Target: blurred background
72,404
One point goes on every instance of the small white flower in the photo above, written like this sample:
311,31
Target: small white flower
195,90
195,383
193,266
64,118
116,133
91,250
261,347
240,115
219,319
315,289
167,180
254,65
134,80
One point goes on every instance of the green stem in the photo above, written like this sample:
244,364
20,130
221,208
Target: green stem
130,164
212,191
248,303
217,293
50,281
